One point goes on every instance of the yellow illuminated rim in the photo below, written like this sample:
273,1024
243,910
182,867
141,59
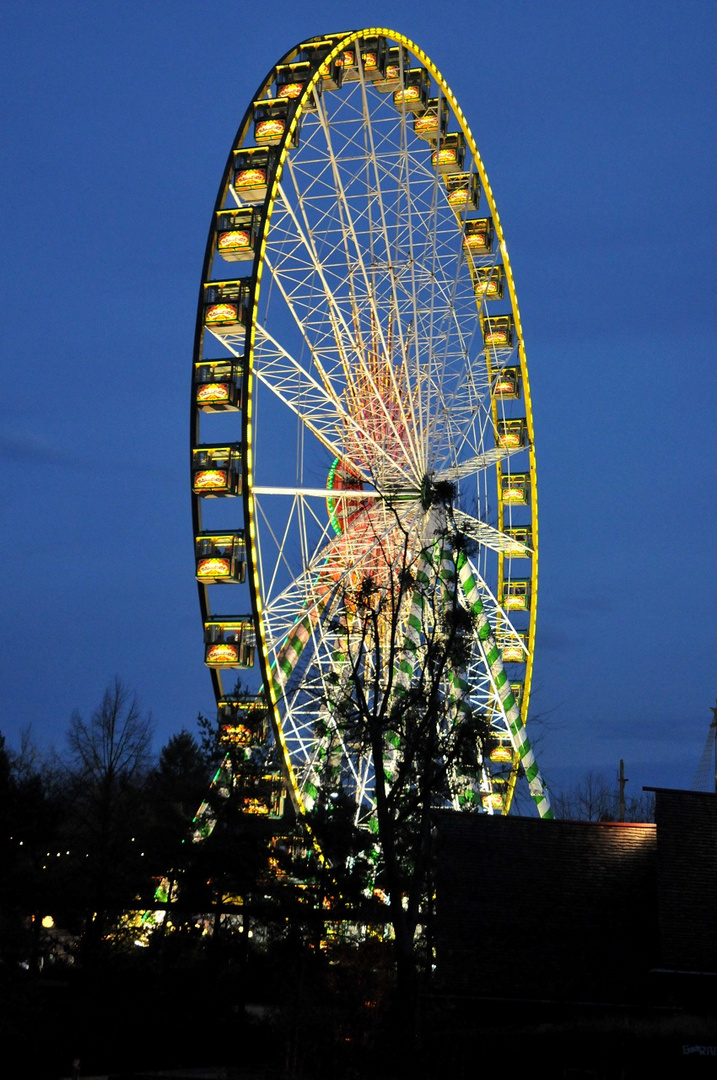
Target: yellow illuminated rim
342,42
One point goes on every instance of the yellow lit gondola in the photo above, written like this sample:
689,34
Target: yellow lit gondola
434,121
498,331
243,722
349,65
516,595
216,470
251,173
413,95
220,557
373,58
478,236
271,120
449,155
506,383
217,385
514,650
511,434
462,191
226,305
488,282
261,795
520,540
316,52
502,751
515,488
396,58
237,233
229,642
291,79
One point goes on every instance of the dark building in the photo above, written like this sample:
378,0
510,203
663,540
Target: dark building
686,823
580,927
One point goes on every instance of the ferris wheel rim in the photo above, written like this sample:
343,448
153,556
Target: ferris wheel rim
252,491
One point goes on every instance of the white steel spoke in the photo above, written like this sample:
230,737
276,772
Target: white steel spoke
357,252
483,533
318,406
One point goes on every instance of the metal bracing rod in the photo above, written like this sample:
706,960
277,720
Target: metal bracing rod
485,534
349,226
369,134
320,493
287,542
325,395
477,463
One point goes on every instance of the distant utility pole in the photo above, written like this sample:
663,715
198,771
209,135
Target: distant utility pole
621,796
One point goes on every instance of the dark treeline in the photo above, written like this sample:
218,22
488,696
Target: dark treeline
133,939
86,831
131,943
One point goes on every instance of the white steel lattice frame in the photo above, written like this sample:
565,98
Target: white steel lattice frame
365,341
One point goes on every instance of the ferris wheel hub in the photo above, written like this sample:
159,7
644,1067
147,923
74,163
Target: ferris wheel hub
436,492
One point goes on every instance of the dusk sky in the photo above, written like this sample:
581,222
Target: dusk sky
596,124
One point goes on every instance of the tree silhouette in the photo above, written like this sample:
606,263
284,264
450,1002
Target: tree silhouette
399,699
105,783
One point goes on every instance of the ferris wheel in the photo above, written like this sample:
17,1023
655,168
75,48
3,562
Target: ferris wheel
362,450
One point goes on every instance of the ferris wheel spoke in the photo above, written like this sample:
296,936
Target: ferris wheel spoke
317,493
411,419
342,333
476,464
354,252
332,568
486,535
284,546
328,561
317,405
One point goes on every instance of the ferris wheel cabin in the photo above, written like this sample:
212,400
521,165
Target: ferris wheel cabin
515,488
226,305
216,470
218,385
433,123
220,557
243,721
229,641
237,234
252,167
413,95
272,117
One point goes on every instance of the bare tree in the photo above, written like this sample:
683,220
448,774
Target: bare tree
399,700
104,780
594,798
113,747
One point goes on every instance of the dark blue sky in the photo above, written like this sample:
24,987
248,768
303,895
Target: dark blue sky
596,124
